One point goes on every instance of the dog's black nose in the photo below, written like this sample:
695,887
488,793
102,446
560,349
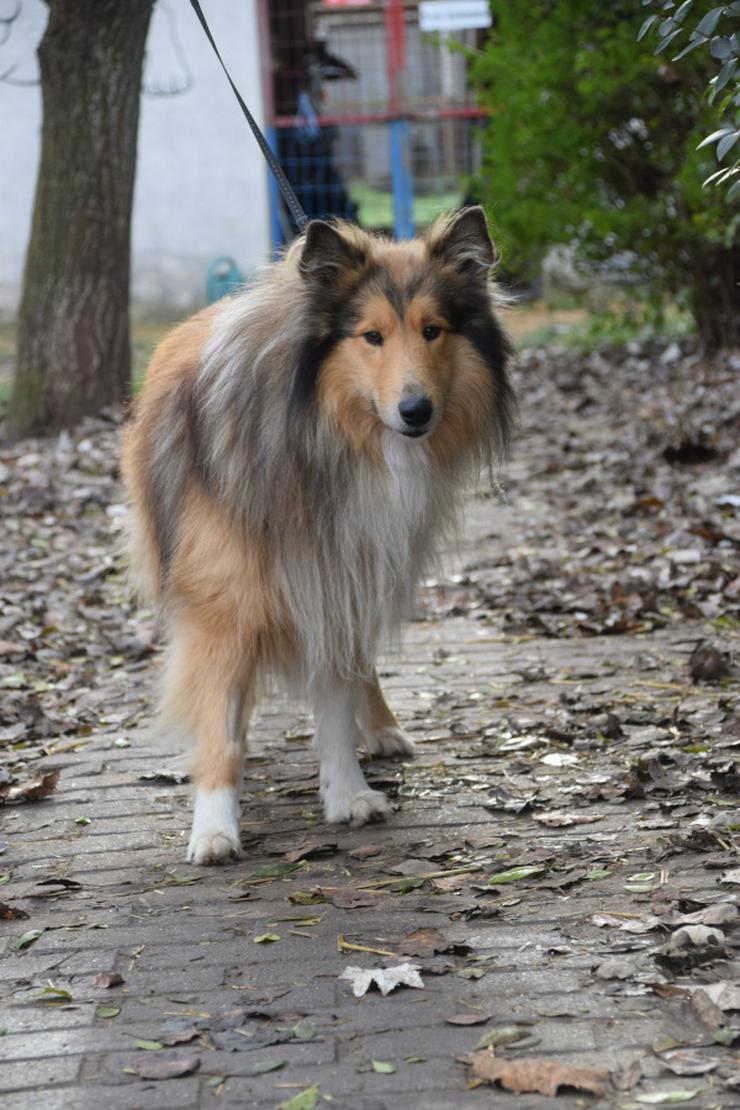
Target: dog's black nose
416,411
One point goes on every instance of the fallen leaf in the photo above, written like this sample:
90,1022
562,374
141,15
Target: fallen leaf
616,968
180,1036
11,913
150,1046
423,942
556,820
106,979
26,940
690,946
502,1035
108,1011
411,867
708,1013
52,995
32,790
560,759
165,1067
383,1068
263,1066
684,1061
708,664
724,994
385,979
312,850
164,775
467,1019
348,898
305,1100
365,852
515,874
306,897
536,1074
266,938
665,1098
275,870
639,923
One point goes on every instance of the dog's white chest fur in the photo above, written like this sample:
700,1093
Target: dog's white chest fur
350,593
409,481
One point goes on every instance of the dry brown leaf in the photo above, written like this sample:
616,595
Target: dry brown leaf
32,790
348,898
454,882
312,849
11,913
367,851
707,1011
181,1036
106,979
536,1074
423,942
163,1067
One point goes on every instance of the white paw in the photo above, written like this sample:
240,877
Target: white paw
355,809
390,742
216,835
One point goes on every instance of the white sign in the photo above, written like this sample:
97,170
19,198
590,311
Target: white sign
453,15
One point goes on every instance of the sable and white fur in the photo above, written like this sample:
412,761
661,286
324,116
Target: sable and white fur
283,507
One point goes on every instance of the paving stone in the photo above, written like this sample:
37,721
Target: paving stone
186,948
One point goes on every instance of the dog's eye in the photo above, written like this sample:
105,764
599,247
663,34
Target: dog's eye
374,338
430,332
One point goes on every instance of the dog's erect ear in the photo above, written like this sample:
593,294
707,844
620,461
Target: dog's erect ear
463,241
328,253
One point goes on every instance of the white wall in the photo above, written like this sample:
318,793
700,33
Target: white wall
201,184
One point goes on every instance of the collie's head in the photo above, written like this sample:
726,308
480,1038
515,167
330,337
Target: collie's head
402,339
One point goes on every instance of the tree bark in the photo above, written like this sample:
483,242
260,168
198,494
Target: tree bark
714,297
73,326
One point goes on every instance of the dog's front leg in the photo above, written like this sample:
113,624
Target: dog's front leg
344,791
208,694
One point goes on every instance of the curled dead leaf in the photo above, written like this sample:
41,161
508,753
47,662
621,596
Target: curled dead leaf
40,786
536,1074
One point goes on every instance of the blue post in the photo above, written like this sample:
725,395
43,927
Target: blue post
276,234
402,180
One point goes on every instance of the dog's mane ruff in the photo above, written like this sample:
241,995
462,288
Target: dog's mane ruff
348,537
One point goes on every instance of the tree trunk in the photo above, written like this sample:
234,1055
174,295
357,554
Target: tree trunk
714,296
73,326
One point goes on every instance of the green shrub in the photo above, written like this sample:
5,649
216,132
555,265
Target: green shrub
592,139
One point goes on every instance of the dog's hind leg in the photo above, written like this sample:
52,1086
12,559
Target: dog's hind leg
345,793
210,697
381,732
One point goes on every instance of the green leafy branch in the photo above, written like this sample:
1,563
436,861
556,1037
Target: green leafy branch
719,31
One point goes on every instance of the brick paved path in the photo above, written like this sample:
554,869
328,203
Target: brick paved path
99,867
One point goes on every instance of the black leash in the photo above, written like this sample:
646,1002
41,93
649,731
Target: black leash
286,189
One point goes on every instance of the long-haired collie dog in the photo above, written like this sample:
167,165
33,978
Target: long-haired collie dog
296,454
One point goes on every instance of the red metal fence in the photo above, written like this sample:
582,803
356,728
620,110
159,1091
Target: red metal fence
372,118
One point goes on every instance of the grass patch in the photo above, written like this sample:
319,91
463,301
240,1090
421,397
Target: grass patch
375,206
146,335
538,325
